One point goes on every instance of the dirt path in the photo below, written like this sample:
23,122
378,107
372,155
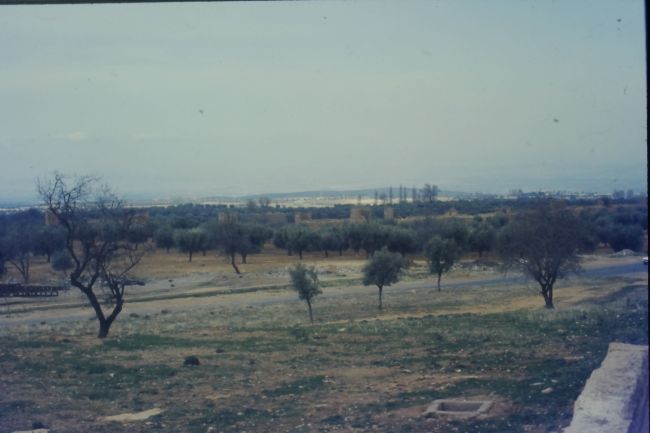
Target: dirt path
159,297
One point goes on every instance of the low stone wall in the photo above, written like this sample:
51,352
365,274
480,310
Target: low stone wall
615,398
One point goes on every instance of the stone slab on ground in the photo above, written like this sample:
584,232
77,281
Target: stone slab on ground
458,408
137,416
611,399
38,430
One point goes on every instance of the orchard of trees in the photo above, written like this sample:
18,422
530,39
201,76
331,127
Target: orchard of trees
95,241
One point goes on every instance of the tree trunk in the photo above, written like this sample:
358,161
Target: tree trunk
104,322
326,254
190,259
439,277
300,254
104,327
311,316
547,293
243,257
232,262
381,306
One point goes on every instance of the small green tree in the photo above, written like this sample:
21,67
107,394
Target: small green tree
383,269
305,281
441,255
190,240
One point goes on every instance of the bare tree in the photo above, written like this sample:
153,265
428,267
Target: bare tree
97,227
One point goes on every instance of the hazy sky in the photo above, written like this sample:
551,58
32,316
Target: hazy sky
235,98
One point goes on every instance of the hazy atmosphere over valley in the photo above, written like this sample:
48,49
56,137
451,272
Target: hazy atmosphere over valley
236,98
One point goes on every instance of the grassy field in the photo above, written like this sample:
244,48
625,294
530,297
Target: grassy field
263,368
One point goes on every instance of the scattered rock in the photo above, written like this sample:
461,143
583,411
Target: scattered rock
191,360
137,416
547,390
219,350
38,425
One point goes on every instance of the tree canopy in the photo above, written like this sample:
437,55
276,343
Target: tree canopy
304,280
441,255
544,243
97,238
383,269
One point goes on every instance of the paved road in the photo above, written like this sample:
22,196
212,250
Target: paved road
55,315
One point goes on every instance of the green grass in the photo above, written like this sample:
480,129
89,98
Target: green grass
299,386
267,365
147,342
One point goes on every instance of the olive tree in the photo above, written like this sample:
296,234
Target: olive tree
48,239
304,280
383,269
544,243
441,255
190,240
230,237
254,236
97,227
164,237
300,239
332,239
